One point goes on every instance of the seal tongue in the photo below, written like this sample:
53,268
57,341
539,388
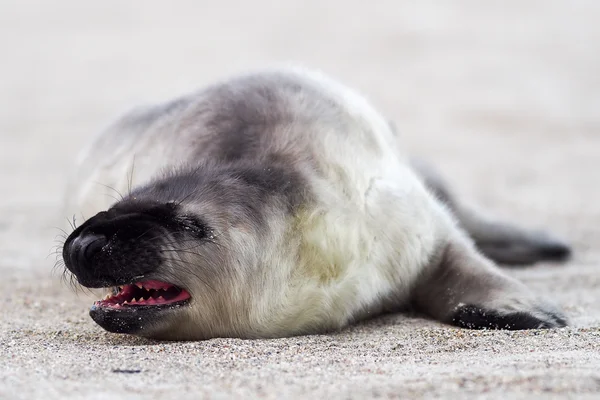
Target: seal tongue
147,293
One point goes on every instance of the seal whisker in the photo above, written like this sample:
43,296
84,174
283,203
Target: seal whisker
71,224
179,251
111,188
184,265
185,198
143,233
65,233
111,196
160,240
130,180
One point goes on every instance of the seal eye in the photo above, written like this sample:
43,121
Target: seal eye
193,225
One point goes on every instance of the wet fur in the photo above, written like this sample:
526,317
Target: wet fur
317,217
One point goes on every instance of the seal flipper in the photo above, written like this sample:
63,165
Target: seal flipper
473,317
501,242
465,289
511,245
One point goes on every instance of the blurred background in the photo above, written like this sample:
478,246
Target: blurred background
503,96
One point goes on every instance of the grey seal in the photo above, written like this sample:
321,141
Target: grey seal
281,202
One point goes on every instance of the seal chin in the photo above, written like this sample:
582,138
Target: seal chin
136,307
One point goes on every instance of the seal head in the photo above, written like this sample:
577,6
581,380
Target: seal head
164,251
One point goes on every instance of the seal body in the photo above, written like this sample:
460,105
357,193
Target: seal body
280,203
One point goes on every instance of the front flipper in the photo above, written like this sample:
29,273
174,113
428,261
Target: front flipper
475,317
465,289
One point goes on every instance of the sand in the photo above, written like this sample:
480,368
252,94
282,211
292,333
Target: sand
504,97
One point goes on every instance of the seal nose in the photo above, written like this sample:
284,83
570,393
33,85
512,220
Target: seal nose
83,248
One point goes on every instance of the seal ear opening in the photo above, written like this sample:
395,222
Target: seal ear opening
465,289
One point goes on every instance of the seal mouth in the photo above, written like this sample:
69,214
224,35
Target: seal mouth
154,294
138,307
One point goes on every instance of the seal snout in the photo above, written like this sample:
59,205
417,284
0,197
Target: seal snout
113,248
84,253
84,248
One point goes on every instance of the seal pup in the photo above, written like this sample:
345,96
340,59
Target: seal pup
281,203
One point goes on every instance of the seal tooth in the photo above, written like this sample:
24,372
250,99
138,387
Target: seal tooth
108,296
160,298
139,285
125,302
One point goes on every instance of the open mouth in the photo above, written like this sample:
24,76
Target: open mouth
137,307
146,293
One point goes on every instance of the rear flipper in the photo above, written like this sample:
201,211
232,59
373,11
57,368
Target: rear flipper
502,242
465,289
510,244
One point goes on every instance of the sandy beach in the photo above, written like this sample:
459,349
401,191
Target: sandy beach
502,96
